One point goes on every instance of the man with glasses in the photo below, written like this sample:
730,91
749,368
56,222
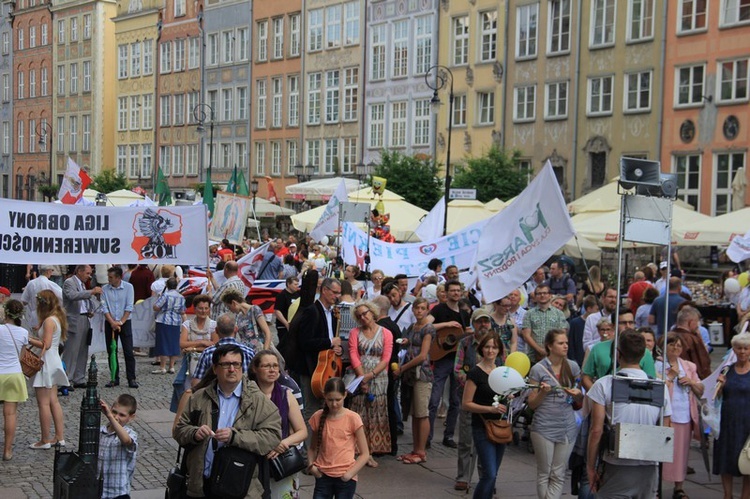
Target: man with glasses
538,321
245,418
318,333
609,306
225,329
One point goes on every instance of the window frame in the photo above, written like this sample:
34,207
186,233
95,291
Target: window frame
555,87
626,109
526,101
609,5
527,48
602,94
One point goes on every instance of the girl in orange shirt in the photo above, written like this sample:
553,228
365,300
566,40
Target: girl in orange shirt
338,434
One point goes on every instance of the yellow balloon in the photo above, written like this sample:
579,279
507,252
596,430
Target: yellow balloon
743,278
138,302
293,309
708,282
520,362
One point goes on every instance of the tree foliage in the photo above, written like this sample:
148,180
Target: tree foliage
110,181
497,174
413,177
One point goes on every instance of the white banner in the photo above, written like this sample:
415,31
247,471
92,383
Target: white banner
739,249
142,320
432,224
523,236
63,234
250,264
328,223
410,258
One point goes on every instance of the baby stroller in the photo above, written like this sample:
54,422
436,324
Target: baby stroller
521,417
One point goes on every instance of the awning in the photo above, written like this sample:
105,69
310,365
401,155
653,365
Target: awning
320,189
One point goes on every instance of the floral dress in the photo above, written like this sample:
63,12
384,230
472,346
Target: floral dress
248,331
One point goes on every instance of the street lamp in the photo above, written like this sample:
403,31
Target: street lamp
202,113
254,192
303,173
44,130
443,76
362,171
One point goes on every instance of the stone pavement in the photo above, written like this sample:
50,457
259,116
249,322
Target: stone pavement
29,474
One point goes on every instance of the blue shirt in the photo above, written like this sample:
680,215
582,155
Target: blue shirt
116,462
117,301
657,310
204,362
171,307
229,404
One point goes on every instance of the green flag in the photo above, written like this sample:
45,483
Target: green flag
208,194
242,185
232,185
162,189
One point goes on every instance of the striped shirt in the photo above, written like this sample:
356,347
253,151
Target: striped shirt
205,362
171,307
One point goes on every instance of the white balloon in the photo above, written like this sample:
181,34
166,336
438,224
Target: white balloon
504,380
324,240
732,286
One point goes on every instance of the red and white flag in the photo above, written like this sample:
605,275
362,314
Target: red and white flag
74,183
250,265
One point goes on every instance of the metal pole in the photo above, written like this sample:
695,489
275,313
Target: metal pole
448,178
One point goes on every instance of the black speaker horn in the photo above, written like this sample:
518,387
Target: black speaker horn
634,172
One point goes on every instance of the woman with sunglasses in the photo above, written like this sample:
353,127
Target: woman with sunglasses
370,347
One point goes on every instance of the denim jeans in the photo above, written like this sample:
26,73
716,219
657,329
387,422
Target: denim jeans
327,487
443,371
490,456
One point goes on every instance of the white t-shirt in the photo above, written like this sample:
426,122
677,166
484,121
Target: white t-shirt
680,396
406,319
9,350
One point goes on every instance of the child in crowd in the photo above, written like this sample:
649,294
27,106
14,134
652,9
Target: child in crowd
337,434
117,447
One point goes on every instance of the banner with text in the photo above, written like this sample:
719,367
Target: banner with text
56,233
523,236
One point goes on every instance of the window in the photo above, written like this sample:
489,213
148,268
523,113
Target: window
6,88
228,46
179,109
400,48
486,108
122,113
277,100
600,95
60,134
525,103
135,59
32,37
192,159
275,158
260,99
148,57
122,160
178,160
21,85
377,57
213,101
398,124
240,154
421,135
74,78
459,110
332,96
260,158
691,15
73,132
377,126
45,33
194,50
295,40
278,38
602,23
315,30
559,27
351,98
179,55
735,12
292,156
314,81
165,159
262,27
488,41
527,17
61,80
148,111
557,100
86,26
73,29
727,166
61,31
226,104
351,23
313,154
86,77
241,103
638,91
641,20
212,54
333,26
86,144
424,44
32,83
688,170
122,61
690,82
165,57
20,39
734,78
293,105
21,139
134,157
6,137
165,110
32,136
331,156
6,42
460,40
179,8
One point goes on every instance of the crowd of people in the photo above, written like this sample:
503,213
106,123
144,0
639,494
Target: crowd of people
406,349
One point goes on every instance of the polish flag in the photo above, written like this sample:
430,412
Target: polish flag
74,183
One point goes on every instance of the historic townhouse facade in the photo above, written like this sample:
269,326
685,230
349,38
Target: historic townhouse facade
29,85
84,84
706,124
6,100
227,25
276,89
136,35
178,83
471,46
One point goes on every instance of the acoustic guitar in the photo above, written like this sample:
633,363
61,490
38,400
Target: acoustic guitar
329,364
446,341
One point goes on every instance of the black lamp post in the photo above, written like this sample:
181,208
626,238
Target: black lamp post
254,192
443,76
202,113
303,173
362,171
44,130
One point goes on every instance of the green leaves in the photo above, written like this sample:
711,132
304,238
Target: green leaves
497,174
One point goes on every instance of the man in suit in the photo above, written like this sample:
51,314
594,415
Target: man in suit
78,308
317,334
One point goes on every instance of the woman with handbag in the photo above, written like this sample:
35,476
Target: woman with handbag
13,338
54,328
252,328
370,347
267,370
554,429
479,400
685,389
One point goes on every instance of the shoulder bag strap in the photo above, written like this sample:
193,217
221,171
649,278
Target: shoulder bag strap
402,312
15,343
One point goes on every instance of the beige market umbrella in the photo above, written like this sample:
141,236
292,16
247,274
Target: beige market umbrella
716,230
495,205
590,250
463,212
266,209
604,199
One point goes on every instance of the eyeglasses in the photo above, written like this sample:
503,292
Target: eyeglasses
335,293
269,367
230,365
359,316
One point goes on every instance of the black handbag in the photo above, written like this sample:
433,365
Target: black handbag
287,464
177,478
232,472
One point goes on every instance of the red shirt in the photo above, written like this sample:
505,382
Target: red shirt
225,254
635,293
